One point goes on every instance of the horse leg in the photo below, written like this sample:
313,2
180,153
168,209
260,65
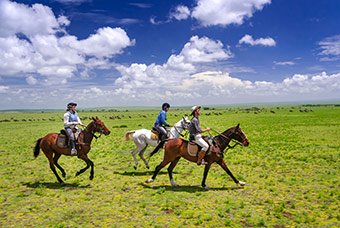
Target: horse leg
140,146
170,168
55,173
134,157
158,168
224,166
141,153
55,160
88,164
206,170
49,154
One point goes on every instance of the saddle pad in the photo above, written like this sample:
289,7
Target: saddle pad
193,149
154,136
61,141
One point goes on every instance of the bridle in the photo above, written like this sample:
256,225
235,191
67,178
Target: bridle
92,132
229,139
183,122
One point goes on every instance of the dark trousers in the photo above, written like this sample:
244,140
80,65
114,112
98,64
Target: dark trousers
162,132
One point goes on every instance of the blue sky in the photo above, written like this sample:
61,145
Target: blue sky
122,52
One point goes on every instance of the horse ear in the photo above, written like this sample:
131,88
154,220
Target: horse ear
97,118
93,119
238,125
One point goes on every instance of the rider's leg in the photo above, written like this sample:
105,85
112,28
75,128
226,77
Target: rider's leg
200,141
72,144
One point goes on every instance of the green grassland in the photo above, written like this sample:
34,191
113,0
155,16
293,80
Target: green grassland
291,168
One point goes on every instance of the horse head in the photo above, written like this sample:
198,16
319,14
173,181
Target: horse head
185,123
239,135
99,126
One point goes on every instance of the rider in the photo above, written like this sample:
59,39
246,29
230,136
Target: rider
161,122
71,120
195,134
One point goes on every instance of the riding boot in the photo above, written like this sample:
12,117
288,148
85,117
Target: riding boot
164,137
160,145
72,148
200,159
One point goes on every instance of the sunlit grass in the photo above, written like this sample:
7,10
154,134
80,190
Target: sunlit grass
291,168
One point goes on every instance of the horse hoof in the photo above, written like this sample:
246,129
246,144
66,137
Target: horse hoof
149,181
91,178
135,167
207,187
147,167
242,183
77,173
64,174
173,183
62,183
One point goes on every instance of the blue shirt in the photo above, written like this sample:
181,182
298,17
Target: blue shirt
161,119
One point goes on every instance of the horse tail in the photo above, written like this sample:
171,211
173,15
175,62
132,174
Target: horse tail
128,135
159,146
37,148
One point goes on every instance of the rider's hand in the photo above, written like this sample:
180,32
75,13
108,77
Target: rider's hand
208,129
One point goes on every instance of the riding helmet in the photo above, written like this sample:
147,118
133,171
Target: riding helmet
70,105
165,105
194,108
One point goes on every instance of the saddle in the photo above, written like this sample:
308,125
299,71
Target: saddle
155,133
194,148
63,141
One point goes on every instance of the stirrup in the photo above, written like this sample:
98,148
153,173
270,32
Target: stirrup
73,152
202,162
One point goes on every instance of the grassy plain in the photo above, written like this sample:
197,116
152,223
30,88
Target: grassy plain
291,169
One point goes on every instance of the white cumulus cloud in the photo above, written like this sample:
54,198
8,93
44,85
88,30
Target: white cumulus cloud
140,79
226,12
180,13
248,39
29,44
20,18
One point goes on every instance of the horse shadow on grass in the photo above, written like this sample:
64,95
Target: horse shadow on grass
137,173
54,185
188,188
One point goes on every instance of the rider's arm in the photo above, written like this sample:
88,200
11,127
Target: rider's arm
79,122
207,129
163,119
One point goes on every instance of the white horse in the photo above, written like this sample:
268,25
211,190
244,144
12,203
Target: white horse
142,138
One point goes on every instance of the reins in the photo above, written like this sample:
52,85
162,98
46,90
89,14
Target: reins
227,138
93,133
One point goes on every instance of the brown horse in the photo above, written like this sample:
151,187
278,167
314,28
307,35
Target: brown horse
48,144
176,148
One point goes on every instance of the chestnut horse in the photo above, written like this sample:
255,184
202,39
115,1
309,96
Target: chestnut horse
48,144
177,148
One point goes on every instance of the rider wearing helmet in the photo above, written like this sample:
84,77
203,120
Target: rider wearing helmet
161,122
195,133
71,120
